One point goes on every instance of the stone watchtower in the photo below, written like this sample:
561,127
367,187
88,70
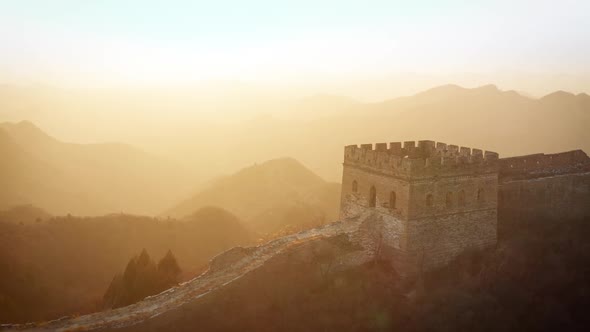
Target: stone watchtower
435,200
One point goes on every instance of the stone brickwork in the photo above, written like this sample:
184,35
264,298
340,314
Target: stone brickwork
545,186
433,201
447,200
436,200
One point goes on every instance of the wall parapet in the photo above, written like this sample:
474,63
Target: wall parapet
426,158
538,165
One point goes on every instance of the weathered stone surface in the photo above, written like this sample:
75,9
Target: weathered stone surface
544,165
229,257
432,200
545,186
447,200
227,267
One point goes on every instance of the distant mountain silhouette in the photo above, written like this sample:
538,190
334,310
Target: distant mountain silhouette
562,98
262,125
314,130
269,196
484,117
86,179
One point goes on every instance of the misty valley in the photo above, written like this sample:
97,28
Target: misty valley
309,165
109,236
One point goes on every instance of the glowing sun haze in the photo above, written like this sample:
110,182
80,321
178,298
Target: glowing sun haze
113,43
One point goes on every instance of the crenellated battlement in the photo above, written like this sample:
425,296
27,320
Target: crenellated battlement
420,159
541,164
438,200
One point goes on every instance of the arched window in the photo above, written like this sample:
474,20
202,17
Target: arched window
449,200
461,198
481,196
372,197
355,186
392,200
429,200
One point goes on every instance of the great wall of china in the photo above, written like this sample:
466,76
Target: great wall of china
223,269
420,203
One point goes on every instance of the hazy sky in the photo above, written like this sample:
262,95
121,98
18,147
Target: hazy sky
164,42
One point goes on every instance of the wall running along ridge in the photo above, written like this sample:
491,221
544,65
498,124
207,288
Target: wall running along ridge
357,238
545,186
447,200
439,200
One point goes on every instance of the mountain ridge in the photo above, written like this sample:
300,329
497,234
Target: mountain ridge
77,178
260,189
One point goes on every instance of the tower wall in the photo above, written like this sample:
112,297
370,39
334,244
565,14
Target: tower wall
541,186
452,195
462,216
445,198
435,241
355,203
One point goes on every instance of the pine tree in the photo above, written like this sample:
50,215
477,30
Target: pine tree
142,277
169,270
147,280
